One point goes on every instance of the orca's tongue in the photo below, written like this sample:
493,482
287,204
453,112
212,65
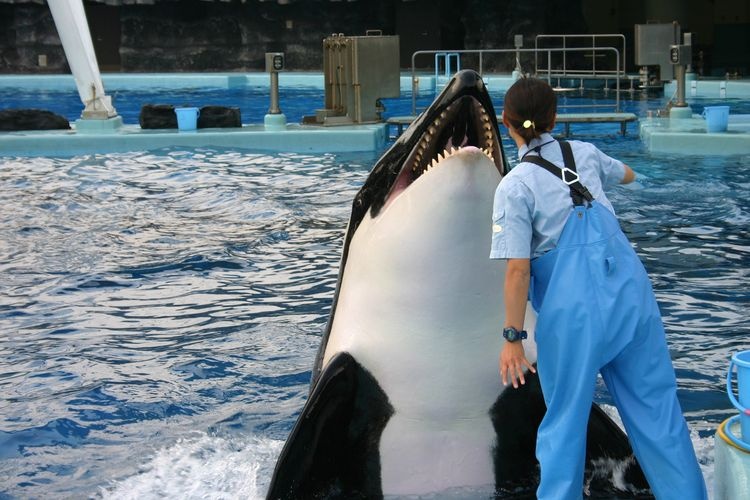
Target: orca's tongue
461,132
461,125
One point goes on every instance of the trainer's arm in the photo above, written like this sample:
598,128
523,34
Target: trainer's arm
516,289
629,175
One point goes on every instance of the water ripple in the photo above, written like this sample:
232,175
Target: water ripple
149,294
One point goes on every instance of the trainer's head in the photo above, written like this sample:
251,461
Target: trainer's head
530,107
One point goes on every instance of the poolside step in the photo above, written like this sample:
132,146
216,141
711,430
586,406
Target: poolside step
566,119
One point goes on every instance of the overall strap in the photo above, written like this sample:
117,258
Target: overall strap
568,174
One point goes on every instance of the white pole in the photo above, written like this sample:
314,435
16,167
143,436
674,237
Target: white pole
70,19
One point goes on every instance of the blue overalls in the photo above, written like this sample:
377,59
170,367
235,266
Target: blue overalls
597,313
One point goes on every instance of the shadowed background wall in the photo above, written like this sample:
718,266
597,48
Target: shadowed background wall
233,35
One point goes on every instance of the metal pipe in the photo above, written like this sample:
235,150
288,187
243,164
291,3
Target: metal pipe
355,83
549,67
593,55
274,109
679,73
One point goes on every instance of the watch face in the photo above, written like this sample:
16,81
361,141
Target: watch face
510,334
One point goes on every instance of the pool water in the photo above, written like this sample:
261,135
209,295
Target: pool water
160,310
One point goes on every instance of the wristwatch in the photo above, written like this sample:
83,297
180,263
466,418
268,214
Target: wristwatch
512,335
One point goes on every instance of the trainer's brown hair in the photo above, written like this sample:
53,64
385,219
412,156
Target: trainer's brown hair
530,106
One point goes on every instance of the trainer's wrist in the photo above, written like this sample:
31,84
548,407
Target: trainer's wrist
511,334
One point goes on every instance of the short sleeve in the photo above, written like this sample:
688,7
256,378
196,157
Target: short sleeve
611,171
511,221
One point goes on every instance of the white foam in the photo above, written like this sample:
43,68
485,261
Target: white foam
704,450
205,467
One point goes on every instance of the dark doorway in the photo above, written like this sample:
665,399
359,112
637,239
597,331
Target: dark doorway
418,28
104,24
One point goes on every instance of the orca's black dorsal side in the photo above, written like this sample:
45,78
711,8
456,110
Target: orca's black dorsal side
332,452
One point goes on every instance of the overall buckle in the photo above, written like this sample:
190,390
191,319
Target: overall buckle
566,173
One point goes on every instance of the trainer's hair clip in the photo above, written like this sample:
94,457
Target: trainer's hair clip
528,124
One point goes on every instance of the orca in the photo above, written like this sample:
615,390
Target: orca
406,397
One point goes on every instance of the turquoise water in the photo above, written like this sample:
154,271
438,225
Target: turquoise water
160,310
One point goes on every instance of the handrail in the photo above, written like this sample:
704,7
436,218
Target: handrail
618,73
593,37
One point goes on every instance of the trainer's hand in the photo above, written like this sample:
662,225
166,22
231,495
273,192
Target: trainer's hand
512,361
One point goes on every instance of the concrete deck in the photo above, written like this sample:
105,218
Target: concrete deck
295,138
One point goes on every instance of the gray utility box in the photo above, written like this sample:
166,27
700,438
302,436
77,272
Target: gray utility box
652,46
358,71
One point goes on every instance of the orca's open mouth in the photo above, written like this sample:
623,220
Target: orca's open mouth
460,120
464,123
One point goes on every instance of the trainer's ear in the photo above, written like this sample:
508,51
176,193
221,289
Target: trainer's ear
504,120
552,125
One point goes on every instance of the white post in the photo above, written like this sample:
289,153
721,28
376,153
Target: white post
70,19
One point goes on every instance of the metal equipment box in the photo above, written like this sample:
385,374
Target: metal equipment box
358,71
652,46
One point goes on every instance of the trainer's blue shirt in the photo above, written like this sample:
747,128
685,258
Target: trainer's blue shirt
532,205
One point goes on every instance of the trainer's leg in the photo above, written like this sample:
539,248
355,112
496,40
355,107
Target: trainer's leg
642,382
568,382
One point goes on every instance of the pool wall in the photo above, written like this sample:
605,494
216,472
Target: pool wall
686,136
150,81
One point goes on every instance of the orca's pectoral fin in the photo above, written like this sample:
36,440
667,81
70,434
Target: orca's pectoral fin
332,451
516,416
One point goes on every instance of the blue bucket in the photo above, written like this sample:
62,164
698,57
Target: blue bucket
187,118
742,361
717,118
